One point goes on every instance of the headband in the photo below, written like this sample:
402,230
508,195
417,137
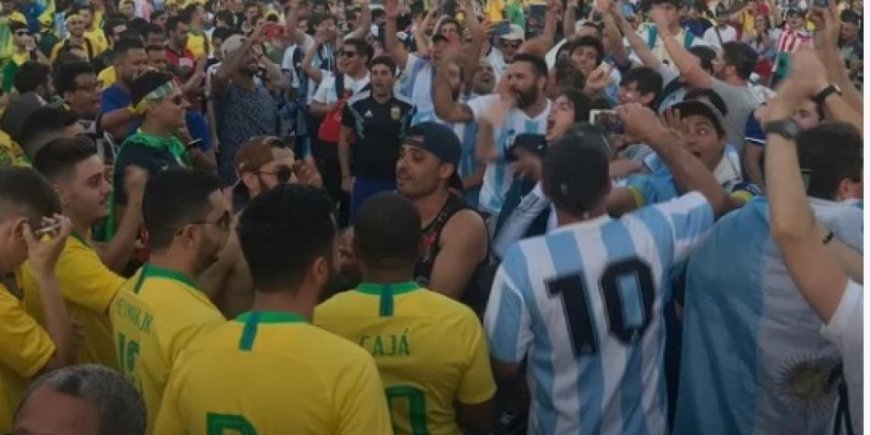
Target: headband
158,93
70,17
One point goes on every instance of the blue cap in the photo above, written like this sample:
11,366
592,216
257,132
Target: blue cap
439,140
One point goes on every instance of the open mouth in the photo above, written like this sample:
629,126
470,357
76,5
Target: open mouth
550,124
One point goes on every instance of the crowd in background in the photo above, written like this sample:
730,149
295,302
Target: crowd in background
431,216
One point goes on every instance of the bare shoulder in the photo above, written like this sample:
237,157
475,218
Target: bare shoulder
466,225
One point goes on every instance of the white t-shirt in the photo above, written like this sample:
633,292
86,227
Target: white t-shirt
728,34
326,92
846,331
498,177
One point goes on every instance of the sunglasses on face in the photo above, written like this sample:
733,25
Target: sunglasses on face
222,222
512,44
282,173
346,53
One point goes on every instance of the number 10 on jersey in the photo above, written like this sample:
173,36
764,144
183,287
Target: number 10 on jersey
628,293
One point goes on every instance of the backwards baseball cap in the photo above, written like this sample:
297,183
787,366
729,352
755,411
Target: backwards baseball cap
576,172
440,141
19,109
702,108
516,34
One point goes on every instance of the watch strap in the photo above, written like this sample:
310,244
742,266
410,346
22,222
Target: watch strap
825,93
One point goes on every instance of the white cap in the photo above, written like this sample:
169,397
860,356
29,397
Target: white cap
516,34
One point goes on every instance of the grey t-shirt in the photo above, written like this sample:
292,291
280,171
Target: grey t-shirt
740,101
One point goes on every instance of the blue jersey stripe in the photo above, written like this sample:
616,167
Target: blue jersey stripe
503,346
619,245
539,365
567,259
659,229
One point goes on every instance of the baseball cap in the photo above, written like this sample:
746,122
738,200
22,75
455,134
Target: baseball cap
440,141
516,34
232,44
19,109
576,169
590,135
702,108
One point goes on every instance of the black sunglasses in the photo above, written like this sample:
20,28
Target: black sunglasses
222,222
282,173
346,53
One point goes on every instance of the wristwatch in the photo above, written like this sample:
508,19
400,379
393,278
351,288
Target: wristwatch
787,128
820,98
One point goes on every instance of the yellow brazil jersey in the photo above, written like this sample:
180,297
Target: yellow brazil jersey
495,10
25,348
88,49
269,372
106,77
197,43
98,40
88,287
157,314
430,350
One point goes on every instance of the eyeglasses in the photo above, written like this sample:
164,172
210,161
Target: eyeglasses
346,53
282,173
222,222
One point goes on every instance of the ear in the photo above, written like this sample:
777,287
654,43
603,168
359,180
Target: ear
849,189
188,236
446,170
248,179
61,195
14,229
319,272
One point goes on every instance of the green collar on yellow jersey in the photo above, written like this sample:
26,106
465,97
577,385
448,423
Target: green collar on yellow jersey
270,317
252,320
152,271
80,238
386,292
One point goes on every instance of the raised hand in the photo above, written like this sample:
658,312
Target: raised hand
391,9
639,121
43,255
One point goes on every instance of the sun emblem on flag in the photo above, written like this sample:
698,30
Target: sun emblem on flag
809,385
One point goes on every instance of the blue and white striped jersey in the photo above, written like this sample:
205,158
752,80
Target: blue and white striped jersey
498,176
416,82
754,360
585,304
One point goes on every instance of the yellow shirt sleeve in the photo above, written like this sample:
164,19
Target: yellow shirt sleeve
364,405
85,280
25,347
477,384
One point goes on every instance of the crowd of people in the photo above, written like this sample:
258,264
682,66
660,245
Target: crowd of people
431,217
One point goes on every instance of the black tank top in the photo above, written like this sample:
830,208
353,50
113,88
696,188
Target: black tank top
476,292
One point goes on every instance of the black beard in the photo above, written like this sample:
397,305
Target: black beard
526,99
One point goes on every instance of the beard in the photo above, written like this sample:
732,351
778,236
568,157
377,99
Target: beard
526,98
